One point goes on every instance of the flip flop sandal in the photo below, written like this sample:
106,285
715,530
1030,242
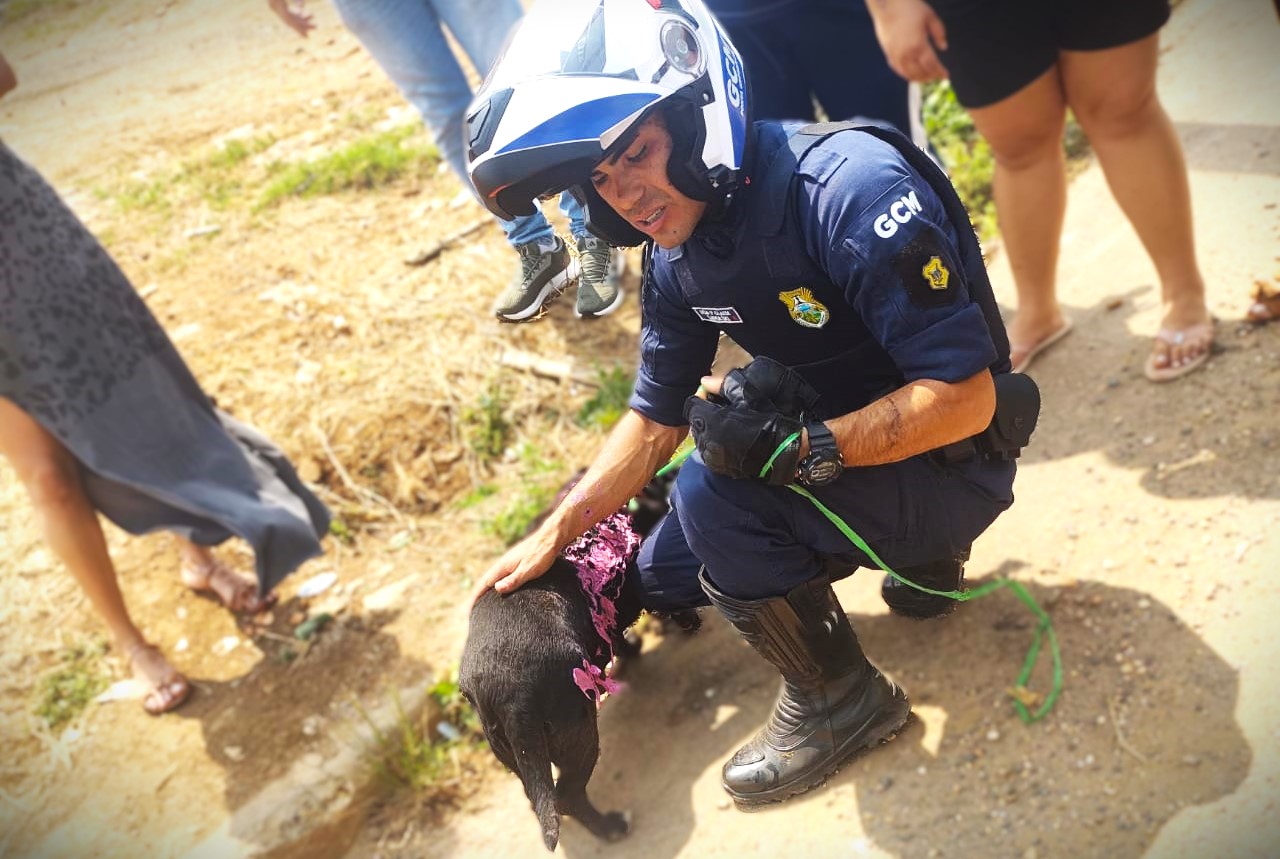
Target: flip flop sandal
1171,337
244,598
167,695
1025,363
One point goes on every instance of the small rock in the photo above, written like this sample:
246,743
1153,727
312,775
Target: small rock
1190,761
311,726
724,805
710,693
317,585
181,612
226,645
922,770
993,735
181,646
235,754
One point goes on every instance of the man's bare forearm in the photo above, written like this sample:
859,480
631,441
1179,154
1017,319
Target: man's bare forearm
919,416
636,448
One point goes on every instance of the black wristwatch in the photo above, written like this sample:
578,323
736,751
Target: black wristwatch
823,464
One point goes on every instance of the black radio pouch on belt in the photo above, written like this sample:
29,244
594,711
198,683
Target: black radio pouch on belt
1017,410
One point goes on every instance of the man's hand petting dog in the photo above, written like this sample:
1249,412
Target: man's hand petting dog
522,563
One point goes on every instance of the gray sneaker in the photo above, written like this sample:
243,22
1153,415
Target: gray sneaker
600,284
542,274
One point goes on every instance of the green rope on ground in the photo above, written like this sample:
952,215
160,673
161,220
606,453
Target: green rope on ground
1043,628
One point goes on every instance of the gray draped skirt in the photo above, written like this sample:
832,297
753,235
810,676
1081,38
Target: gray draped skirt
81,354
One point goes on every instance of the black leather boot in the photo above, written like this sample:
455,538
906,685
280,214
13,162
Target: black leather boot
944,575
833,702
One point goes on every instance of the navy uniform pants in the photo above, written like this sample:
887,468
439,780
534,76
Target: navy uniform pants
759,541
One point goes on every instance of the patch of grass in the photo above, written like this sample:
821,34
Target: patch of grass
411,753
146,194
537,490
66,692
486,426
339,528
513,523
454,708
219,177
609,403
41,17
475,496
367,163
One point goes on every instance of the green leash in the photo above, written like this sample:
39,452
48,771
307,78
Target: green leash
1044,627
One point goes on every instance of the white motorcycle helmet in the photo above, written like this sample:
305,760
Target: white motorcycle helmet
577,75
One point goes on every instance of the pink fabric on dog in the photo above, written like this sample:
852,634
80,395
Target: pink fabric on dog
600,557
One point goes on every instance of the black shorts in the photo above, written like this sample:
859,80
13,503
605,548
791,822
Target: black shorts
996,47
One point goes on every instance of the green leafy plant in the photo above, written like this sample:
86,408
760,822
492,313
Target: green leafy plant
966,156
477,495
339,528
65,692
486,426
412,754
609,402
536,492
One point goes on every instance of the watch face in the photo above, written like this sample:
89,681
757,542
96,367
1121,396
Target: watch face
824,471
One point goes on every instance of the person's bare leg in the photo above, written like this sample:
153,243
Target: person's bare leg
1025,134
69,524
1113,95
203,572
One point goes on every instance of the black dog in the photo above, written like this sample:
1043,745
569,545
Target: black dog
518,672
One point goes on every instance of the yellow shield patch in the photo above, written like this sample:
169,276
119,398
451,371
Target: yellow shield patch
804,308
936,274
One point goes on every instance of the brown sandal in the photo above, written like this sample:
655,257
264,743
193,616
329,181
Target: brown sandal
168,693
233,590
1266,304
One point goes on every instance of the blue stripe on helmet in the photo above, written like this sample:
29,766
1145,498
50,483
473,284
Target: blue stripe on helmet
585,121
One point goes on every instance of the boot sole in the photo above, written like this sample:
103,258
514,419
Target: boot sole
880,734
950,609
550,289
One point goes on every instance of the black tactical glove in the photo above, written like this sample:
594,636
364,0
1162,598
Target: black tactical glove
737,441
767,386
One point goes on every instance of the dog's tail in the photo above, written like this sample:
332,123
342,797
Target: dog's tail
533,763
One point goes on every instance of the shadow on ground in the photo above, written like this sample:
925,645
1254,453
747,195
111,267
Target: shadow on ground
288,733
1193,438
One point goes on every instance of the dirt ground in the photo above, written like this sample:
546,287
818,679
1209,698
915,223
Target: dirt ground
1146,521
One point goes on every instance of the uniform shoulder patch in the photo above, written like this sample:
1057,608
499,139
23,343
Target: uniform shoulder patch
925,269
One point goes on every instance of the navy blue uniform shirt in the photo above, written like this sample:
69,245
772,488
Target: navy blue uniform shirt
864,289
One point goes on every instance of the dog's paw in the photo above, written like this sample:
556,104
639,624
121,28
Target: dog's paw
616,825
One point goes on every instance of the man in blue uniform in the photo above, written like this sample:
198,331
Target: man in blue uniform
842,260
